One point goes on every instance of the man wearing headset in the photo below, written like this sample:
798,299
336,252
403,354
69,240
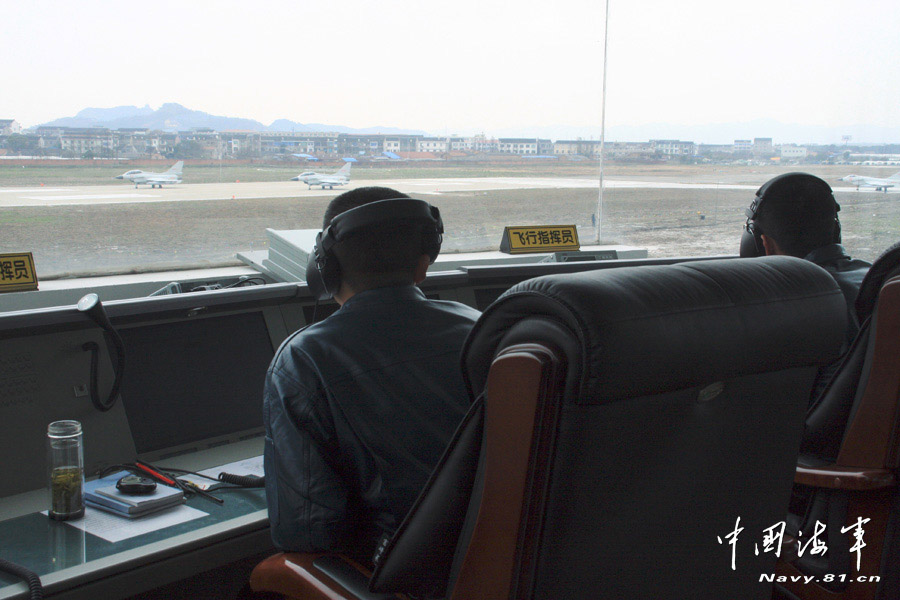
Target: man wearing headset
359,407
796,214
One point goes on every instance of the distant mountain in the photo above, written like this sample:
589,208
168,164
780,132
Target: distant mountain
286,125
175,117
109,114
169,117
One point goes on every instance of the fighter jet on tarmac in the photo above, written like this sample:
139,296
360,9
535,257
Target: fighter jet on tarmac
138,177
310,178
879,183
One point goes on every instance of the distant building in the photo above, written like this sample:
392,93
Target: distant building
277,142
374,144
459,144
589,148
99,141
627,150
743,146
674,147
9,127
763,147
518,146
792,151
433,144
714,149
488,145
525,146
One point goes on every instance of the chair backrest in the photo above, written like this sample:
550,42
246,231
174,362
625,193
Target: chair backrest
852,422
631,417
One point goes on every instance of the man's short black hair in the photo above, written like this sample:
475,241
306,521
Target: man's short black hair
385,257
799,214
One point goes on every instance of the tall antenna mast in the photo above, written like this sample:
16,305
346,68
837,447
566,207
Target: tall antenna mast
599,213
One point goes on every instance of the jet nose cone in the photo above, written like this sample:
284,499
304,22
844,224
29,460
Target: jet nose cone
295,178
119,177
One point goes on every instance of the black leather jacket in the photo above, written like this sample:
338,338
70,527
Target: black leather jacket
358,409
848,272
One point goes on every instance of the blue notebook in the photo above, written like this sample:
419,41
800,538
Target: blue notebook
102,494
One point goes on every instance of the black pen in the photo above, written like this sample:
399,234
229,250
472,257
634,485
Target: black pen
199,491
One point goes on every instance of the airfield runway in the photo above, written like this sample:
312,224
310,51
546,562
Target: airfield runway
115,228
127,194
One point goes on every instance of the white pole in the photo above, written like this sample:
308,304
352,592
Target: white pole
599,214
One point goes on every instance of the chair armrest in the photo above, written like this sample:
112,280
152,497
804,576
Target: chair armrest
845,478
313,576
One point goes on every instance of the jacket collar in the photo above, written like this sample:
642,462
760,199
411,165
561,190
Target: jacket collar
384,295
827,254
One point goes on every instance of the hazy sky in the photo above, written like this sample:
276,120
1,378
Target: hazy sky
458,66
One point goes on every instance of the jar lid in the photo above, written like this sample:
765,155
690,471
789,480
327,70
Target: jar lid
63,428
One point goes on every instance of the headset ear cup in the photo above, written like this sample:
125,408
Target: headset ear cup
323,273
331,274
314,278
431,244
751,243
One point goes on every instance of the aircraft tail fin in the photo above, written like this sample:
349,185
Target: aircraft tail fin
177,167
895,176
345,170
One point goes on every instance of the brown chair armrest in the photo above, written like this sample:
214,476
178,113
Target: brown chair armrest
295,576
845,478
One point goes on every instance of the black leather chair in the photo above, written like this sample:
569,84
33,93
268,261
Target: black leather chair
849,457
625,420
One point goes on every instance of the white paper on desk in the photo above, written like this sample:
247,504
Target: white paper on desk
248,466
114,529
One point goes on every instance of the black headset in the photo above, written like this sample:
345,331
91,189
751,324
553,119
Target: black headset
323,273
751,239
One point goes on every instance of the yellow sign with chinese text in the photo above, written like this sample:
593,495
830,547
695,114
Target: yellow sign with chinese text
539,238
17,272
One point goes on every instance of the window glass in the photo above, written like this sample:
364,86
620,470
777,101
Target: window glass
499,123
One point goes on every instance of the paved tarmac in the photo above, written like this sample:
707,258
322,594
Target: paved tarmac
127,194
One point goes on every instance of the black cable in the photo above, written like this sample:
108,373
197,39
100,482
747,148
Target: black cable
105,471
244,280
239,481
30,577
120,367
94,349
315,310
186,472
249,481
91,306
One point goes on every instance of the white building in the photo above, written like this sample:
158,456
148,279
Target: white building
674,147
9,127
792,151
628,149
525,146
432,144
763,147
482,143
460,144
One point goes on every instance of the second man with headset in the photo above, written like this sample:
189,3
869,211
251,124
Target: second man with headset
359,407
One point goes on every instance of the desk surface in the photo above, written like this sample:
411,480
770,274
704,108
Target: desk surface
74,564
